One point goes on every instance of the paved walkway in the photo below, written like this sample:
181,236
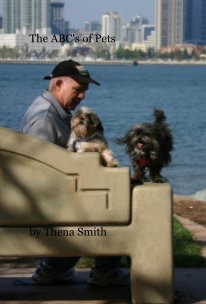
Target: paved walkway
76,293
191,283
190,286
198,232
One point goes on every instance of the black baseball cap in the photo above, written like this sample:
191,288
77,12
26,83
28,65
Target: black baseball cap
72,69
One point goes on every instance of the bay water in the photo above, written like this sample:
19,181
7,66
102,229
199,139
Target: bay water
128,95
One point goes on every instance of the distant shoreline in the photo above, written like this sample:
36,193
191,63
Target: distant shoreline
104,62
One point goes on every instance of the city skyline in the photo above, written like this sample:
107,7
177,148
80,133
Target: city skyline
95,10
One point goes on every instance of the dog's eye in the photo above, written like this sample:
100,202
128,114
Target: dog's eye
92,123
92,119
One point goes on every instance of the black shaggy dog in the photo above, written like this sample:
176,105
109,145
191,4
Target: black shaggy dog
149,146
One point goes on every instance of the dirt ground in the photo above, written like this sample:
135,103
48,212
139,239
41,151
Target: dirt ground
190,208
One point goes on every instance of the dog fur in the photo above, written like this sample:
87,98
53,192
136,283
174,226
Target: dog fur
149,147
87,136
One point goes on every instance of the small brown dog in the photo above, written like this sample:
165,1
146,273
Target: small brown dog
149,146
87,136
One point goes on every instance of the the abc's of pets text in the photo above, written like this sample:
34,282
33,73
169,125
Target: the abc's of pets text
71,38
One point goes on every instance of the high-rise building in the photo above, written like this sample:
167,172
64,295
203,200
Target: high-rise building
147,30
187,20
138,21
57,16
133,30
169,22
32,16
180,21
92,26
1,23
112,25
195,21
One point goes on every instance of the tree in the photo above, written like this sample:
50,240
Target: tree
101,51
6,52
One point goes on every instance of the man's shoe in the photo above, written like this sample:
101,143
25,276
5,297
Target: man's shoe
45,274
114,277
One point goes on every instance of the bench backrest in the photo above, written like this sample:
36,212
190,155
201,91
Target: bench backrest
43,184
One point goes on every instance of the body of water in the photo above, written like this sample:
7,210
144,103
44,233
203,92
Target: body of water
128,95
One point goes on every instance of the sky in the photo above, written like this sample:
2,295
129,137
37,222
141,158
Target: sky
79,11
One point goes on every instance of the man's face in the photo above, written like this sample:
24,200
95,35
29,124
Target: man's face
70,93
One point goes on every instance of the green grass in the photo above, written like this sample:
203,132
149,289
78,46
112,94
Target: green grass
187,253
86,263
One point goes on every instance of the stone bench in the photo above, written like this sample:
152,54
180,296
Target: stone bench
55,203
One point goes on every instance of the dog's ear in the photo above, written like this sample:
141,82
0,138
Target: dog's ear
97,122
100,126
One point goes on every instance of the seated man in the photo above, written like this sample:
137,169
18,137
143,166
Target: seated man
48,118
